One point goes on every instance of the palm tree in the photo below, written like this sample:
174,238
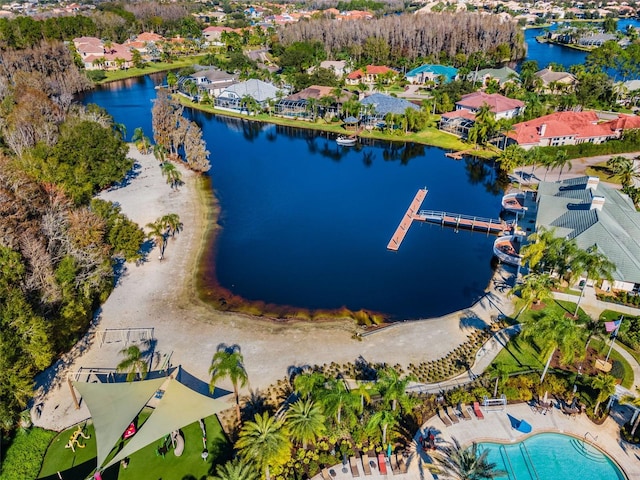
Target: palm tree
553,331
534,289
625,169
635,401
392,387
157,234
174,177
173,223
236,469
363,390
383,419
160,152
606,386
140,140
337,399
561,160
133,363
305,421
467,463
265,441
511,158
228,362
172,80
501,371
595,265
308,384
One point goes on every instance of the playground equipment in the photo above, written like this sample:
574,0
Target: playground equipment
74,440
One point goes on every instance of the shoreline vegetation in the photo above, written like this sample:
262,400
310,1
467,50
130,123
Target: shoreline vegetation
429,136
541,39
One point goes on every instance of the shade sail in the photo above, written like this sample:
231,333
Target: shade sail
179,406
113,406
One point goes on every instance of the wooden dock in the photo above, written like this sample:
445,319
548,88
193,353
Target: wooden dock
407,220
468,222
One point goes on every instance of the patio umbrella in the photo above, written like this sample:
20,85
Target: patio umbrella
389,451
544,399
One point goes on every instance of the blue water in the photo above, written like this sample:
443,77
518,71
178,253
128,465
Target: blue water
552,456
545,53
305,223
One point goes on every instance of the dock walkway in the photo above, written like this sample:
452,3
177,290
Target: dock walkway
407,220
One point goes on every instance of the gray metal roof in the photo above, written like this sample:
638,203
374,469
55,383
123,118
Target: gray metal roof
615,229
259,90
387,104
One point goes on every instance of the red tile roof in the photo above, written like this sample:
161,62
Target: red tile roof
468,114
371,69
149,37
569,124
496,102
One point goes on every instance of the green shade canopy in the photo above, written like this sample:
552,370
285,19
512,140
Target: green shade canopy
113,406
179,406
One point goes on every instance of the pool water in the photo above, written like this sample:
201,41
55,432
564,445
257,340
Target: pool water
552,456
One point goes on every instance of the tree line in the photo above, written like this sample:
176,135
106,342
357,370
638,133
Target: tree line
57,245
402,38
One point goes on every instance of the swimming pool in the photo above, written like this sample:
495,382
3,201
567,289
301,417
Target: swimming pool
552,456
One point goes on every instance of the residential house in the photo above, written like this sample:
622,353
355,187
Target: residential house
596,39
594,215
569,128
338,67
432,73
231,97
213,81
367,75
213,34
463,117
502,75
98,55
296,105
378,105
553,81
148,44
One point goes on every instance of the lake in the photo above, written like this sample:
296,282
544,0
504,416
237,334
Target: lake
305,223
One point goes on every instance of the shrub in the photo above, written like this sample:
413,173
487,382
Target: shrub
24,456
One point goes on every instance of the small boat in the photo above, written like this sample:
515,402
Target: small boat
346,141
507,249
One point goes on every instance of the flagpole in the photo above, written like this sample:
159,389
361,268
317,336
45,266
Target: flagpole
613,339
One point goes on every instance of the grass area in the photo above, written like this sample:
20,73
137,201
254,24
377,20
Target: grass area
23,457
429,136
635,354
603,348
76,464
558,306
145,463
601,171
151,67
519,356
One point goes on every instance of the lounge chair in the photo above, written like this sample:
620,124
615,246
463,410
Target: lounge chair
402,464
353,463
452,414
443,416
382,464
394,464
366,468
477,411
325,474
465,412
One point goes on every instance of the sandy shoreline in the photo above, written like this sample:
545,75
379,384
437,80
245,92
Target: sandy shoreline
161,295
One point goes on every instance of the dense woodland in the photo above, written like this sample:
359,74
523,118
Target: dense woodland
58,248
441,36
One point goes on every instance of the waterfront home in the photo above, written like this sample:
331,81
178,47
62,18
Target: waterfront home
569,128
502,75
435,74
368,75
596,40
232,97
213,80
338,67
463,117
553,81
213,34
378,105
99,55
297,104
148,44
594,214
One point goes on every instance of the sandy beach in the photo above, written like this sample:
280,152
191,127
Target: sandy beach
160,295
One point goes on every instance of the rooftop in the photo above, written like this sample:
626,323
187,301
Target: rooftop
496,102
387,104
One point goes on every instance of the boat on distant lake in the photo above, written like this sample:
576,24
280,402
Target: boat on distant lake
346,141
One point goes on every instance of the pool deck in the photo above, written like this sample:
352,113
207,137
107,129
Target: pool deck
496,426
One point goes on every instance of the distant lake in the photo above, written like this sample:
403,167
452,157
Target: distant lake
305,223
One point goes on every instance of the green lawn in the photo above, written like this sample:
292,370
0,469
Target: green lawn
144,463
603,348
151,67
601,171
23,457
519,356
558,306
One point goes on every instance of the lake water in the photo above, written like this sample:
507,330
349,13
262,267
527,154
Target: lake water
305,223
